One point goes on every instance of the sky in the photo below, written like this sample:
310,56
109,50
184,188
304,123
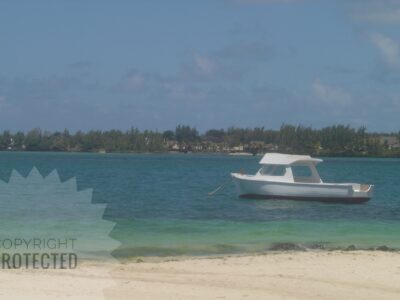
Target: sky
151,64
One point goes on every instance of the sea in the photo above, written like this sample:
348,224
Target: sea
160,205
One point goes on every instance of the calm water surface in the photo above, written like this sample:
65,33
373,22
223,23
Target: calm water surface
160,203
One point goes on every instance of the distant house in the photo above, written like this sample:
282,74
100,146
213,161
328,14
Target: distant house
174,147
239,148
11,144
390,141
225,148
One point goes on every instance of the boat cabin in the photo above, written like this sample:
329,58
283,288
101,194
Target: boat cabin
289,168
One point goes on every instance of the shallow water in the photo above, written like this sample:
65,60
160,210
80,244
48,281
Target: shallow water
161,208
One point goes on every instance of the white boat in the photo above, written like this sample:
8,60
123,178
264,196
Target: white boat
295,177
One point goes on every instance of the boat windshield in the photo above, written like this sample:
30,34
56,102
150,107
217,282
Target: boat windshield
303,173
273,170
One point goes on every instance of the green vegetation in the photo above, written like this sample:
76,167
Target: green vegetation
333,140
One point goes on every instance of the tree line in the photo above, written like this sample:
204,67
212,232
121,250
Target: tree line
331,140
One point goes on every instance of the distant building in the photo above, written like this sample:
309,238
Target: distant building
174,147
239,148
390,141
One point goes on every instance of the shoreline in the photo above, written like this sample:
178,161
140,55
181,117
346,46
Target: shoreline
289,250
165,254
355,275
231,154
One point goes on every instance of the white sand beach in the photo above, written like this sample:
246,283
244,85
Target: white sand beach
299,275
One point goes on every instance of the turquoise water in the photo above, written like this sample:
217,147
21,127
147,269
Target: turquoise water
161,208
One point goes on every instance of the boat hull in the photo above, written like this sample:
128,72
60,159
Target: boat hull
349,200
255,187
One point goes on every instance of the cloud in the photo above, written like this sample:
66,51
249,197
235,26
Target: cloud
142,82
3,102
198,68
226,65
269,1
229,64
45,93
243,30
388,48
342,70
254,51
51,102
386,16
204,64
149,86
40,88
206,87
395,99
133,80
81,64
375,11
331,96
198,72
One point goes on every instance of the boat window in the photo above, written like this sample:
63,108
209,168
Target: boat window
279,170
301,171
273,170
266,169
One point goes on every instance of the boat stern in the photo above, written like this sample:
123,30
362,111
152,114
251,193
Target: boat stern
363,190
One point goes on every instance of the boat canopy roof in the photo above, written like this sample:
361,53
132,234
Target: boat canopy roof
286,159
